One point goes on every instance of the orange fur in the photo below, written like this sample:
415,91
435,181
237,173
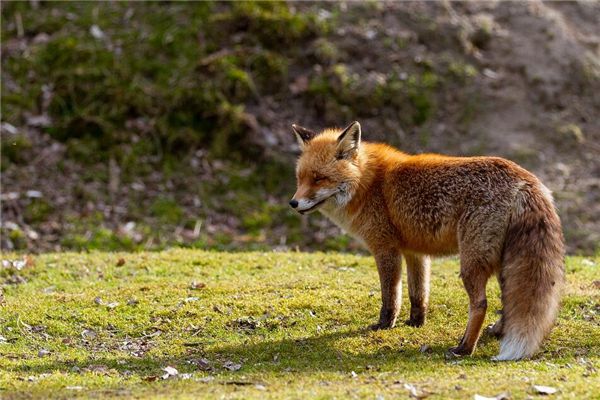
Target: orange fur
429,204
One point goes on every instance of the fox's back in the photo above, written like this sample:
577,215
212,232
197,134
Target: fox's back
429,197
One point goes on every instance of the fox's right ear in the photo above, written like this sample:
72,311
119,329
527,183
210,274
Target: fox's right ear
303,135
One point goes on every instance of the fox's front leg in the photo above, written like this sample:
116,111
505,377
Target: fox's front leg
418,271
389,266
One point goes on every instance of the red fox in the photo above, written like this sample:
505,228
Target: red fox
497,216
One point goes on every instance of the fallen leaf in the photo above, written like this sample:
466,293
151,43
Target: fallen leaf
169,372
88,334
260,387
17,264
112,305
8,128
151,378
96,32
132,302
425,349
42,121
49,289
43,352
74,388
202,364
99,369
191,299
414,392
230,365
34,194
245,323
544,390
120,262
197,285
501,396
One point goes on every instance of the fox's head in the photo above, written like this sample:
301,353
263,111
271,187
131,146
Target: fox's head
328,170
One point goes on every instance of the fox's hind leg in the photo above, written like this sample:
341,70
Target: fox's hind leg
474,278
389,266
418,271
497,328
480,243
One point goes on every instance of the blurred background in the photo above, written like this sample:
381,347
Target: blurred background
129,126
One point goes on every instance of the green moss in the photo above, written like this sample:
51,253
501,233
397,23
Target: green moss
269,24
269,69
461,72
295,322
98,239
100,85
258,219
166,210
37,211
14,149
326,51
18,239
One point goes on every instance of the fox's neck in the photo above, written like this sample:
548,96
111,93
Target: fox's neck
372,161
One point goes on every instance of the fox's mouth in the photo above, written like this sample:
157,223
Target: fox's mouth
314,207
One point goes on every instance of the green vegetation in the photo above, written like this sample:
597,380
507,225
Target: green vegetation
263,325
149,79
124,94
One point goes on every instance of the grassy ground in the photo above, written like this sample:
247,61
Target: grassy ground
263,325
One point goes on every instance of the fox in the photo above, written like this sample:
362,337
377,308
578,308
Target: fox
498,217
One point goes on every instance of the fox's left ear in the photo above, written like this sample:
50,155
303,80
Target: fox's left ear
303,135
349,141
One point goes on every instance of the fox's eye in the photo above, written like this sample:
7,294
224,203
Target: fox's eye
319,179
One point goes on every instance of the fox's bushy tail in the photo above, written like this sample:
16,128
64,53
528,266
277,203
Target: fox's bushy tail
532,272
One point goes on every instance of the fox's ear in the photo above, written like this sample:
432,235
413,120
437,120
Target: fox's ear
349,141
303,135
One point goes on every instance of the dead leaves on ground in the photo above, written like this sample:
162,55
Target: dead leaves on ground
11,271
197,285
537,389
544,390
202,364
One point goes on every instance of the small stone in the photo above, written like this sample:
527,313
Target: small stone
43,353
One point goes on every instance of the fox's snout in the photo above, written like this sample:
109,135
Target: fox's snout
294,203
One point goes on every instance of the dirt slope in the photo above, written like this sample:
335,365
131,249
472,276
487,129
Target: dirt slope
515,79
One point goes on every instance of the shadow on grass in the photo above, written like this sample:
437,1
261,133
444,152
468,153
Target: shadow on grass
301,355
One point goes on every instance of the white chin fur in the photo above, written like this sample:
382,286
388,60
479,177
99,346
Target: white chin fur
339,194
304,204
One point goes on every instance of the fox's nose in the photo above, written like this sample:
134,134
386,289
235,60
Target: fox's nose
294,203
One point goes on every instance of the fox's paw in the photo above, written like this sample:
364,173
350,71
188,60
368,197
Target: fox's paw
387,319
415,322
380,326
494,330
457,352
